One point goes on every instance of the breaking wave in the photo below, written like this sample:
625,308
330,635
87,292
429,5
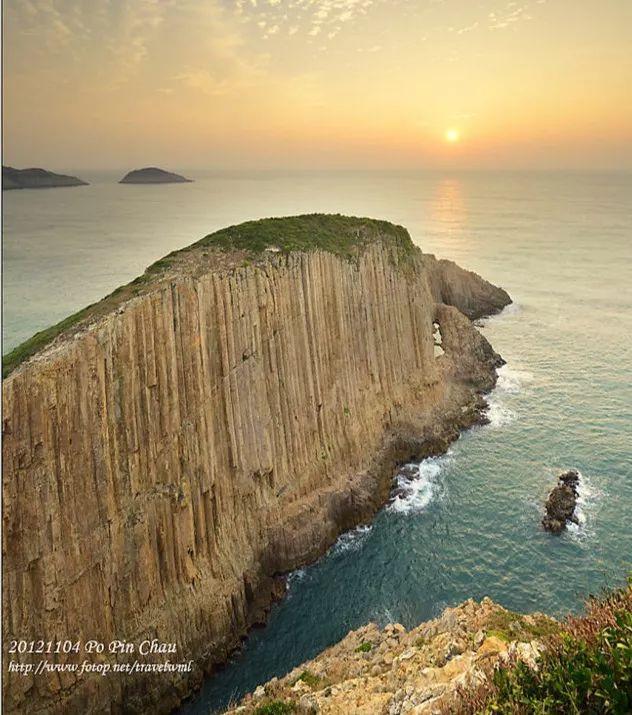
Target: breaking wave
588,499
416,485
351,540
511,381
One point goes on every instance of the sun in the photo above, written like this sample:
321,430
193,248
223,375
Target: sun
452,135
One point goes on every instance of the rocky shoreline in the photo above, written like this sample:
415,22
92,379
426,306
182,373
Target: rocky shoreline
401,447
393,670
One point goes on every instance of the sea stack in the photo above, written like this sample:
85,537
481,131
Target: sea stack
216,422
36,179
153,175
560,506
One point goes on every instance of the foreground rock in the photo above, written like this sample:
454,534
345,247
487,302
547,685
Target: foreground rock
561,504
36,179
152,175
375,671
216,422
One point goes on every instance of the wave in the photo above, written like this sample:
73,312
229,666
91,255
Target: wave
383,617
511,381
508,311
588,498
351,540
417,485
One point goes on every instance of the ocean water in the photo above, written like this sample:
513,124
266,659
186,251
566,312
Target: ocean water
468,525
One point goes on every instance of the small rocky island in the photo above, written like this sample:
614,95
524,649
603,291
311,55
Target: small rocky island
153,175
36,179
560,506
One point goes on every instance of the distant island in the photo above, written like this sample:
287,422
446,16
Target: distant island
152,175
36,179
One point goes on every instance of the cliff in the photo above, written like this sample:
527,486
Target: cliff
475,658
390,670
36,179
219,421
152,175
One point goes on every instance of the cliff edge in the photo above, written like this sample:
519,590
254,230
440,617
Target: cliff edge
391,670
220,420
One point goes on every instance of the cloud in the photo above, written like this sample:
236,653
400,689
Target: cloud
309,17
203,81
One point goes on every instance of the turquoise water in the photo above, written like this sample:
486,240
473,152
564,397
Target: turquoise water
561,244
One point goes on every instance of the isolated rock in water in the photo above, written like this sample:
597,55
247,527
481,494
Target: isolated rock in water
560,506
152,175
36,179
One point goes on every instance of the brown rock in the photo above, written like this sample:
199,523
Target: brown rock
165,460
560,506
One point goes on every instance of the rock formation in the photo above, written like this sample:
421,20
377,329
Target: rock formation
217,422
152,175
392,670
36,179
560,506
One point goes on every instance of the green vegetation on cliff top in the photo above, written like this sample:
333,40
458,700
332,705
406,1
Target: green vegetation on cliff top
586,667
344,236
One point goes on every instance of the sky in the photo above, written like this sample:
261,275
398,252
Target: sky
318,84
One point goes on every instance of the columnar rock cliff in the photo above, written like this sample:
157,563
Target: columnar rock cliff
216,423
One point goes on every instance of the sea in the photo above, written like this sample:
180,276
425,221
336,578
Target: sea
468,525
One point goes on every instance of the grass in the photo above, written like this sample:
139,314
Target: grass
586,667
275,707
509,626
310,679
343,236
34,344
364,647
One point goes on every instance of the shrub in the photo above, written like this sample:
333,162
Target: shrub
364,647
310,679
585,668
275,707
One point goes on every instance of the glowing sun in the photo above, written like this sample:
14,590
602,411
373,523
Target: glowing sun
452,135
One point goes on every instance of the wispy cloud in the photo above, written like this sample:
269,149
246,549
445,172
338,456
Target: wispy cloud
311,17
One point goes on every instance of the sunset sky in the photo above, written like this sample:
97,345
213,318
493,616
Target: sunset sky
323,84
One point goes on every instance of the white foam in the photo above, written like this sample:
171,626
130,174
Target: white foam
498,414
588,498
508,311
383,617
351,540
511,381
415,494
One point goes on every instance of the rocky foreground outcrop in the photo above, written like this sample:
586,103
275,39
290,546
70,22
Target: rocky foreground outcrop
391,671
561,504
169,451
153,175
36,179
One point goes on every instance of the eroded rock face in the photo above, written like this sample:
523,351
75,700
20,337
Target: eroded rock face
163,463
392,670
560,506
